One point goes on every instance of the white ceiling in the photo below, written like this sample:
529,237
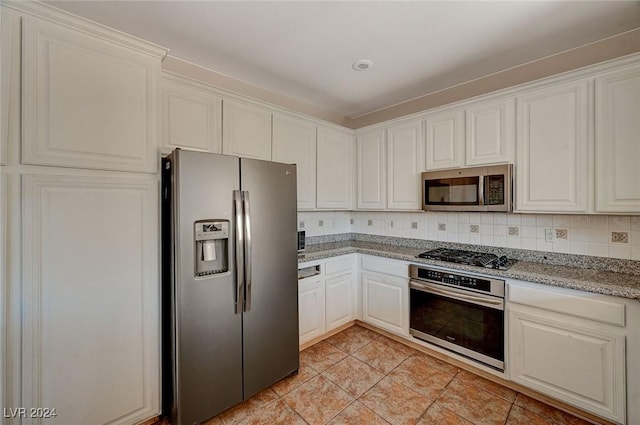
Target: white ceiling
304,49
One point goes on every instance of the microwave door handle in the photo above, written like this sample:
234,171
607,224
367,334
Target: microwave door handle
247,250
481,189
239,241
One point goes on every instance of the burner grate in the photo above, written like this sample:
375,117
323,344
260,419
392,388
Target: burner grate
459,256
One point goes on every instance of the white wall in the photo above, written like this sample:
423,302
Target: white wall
585,234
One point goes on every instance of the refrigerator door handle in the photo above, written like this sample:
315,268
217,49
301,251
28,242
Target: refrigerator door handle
247,250
239,240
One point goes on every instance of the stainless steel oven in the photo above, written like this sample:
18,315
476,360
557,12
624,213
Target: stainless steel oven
459,311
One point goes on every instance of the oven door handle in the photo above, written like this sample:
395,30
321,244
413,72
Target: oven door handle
487,302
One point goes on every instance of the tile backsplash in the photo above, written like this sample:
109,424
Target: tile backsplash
602,236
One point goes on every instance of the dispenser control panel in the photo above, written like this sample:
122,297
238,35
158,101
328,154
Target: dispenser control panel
211,245
212,230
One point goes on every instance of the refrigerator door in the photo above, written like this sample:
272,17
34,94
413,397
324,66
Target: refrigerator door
270,323
207,330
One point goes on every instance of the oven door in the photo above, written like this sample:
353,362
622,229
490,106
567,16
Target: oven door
465,322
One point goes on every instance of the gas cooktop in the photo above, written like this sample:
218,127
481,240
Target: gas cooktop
481,259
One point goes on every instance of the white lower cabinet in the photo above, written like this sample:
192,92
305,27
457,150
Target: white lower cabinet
385,301
385,293
570,346
339,305
311,309
327,300
340,290
90,298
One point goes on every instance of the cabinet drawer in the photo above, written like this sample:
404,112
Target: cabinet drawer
569,302
380,265
339,265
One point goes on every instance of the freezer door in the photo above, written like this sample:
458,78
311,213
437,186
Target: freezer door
207,330
270,324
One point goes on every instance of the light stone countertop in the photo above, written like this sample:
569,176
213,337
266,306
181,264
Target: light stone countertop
626,285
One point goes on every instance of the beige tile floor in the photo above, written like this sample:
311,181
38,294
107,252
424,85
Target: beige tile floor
361,377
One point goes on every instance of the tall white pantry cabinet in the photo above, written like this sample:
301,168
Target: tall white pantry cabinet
79,187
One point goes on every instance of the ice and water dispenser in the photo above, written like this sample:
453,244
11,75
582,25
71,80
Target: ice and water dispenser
211,245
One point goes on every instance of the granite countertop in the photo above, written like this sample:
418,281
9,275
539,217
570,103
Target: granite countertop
602,281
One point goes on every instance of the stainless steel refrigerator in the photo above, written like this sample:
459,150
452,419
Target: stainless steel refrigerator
230,296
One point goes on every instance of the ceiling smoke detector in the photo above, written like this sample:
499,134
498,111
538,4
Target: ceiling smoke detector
362,65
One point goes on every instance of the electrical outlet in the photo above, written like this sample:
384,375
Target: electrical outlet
320,223
561,233
369,222
414,224
474,228
301,225
620,237
442,226
514,231
549,235
351,221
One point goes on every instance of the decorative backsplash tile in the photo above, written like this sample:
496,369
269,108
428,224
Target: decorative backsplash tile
572,234
620,237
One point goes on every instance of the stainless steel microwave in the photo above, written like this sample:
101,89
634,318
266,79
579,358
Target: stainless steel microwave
468,189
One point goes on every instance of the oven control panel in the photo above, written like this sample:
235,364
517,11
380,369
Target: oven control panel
463,280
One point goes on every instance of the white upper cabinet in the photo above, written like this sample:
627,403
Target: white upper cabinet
191,116
246,130
552,147
490,132
444,139
10,83
405,153
335,169
294,142
89,98
617,141
370,154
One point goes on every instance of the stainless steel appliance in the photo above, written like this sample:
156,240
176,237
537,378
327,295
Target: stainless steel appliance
461,312
482,259
468,189
230,295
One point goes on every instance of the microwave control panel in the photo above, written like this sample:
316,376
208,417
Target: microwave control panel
494,187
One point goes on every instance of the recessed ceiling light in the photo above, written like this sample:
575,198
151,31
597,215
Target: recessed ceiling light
362,65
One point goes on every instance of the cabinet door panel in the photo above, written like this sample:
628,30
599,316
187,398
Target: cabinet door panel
618,141
10,81
294,142
311,310
371,170
551,172
88,102
405,153
246,130
444,140
339,301
90,298
191,116
335,172
490,132
385,302
568,360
